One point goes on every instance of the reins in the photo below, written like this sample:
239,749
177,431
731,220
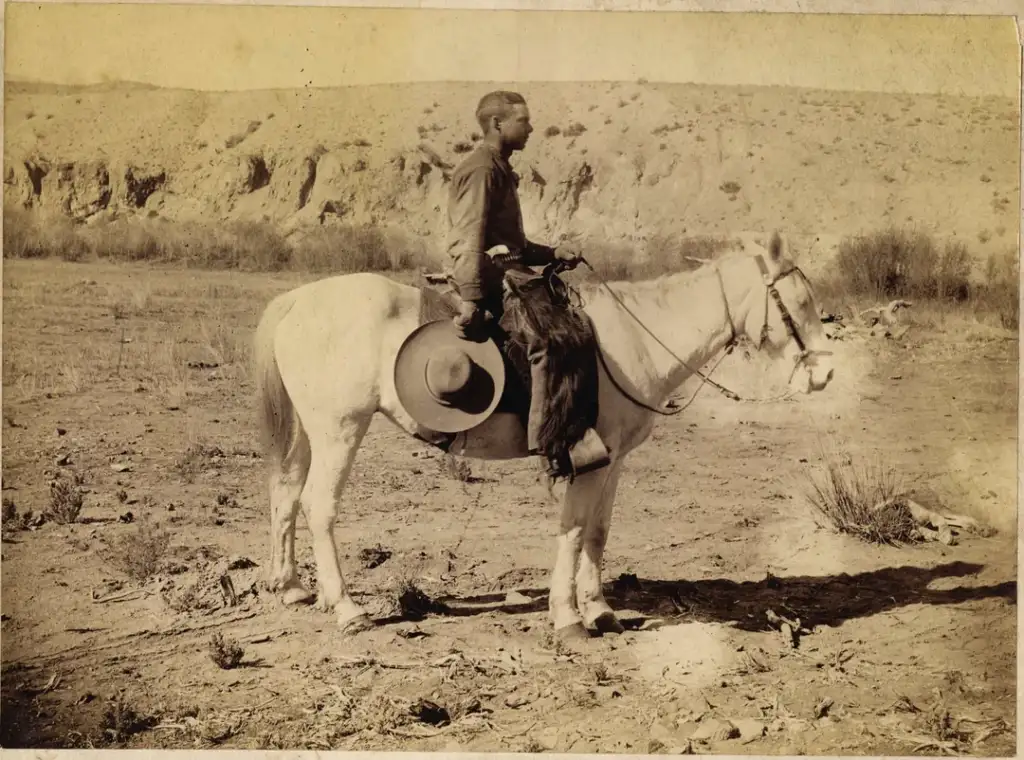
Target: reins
706,379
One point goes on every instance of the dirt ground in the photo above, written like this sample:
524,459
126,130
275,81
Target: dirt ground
135,378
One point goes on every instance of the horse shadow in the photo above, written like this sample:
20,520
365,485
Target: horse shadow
816,600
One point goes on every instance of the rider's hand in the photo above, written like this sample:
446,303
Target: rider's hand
469,320
570,252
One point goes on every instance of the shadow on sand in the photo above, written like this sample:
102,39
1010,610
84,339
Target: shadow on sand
816,600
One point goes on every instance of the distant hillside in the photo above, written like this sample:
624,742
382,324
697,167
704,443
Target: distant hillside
25,87
618,162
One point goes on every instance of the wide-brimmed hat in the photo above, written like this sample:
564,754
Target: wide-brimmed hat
445,382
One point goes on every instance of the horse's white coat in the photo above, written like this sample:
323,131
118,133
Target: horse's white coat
324,356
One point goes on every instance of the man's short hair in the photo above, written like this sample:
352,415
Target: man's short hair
497,103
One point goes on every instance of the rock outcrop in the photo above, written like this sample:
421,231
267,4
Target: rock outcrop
622,163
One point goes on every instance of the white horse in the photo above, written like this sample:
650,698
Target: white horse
324,358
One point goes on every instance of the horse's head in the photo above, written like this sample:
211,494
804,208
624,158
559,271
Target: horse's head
781,317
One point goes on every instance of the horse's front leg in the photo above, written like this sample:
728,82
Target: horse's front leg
576,579
562,610
597,614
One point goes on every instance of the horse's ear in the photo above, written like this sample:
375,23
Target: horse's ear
775,247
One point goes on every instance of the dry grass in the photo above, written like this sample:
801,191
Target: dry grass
878,266
195,458
246,246
338,248
161,339
455,468
861,500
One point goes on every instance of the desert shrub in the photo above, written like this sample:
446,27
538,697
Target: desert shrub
194,458
29,235
862,501
456,468
225,652
253,246
345,248
552,131
952,272
248,246
895,263
121,720
575,129
126,240
66,498
1000,292
139,553
9,512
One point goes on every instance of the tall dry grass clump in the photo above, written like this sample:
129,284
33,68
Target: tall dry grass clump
344,248
40,236
861,500
235,245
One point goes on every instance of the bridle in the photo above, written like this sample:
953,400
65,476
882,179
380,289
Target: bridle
771,290
787,319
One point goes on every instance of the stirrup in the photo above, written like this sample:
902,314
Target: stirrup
589,454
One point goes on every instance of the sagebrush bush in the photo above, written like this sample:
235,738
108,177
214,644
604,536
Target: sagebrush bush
225,652
894,263
139,554
1001,290
66,498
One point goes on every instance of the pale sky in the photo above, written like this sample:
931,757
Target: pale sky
234,47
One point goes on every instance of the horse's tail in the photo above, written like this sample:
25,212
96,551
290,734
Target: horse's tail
279,425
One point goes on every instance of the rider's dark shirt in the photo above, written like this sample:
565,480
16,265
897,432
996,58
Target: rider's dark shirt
484,211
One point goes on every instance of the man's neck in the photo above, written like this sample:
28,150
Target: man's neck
493,141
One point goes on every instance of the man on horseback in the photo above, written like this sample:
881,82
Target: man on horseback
484,218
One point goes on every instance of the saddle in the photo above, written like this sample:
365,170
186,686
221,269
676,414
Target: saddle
538,303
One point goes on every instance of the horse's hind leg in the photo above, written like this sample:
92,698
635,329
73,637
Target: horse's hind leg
333,452
286,484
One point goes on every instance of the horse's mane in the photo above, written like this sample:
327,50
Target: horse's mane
649,289
654,290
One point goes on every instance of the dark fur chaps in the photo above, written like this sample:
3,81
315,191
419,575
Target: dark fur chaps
539,315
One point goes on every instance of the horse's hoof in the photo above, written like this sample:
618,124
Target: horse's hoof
606,622
572,634
296,595
355,625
